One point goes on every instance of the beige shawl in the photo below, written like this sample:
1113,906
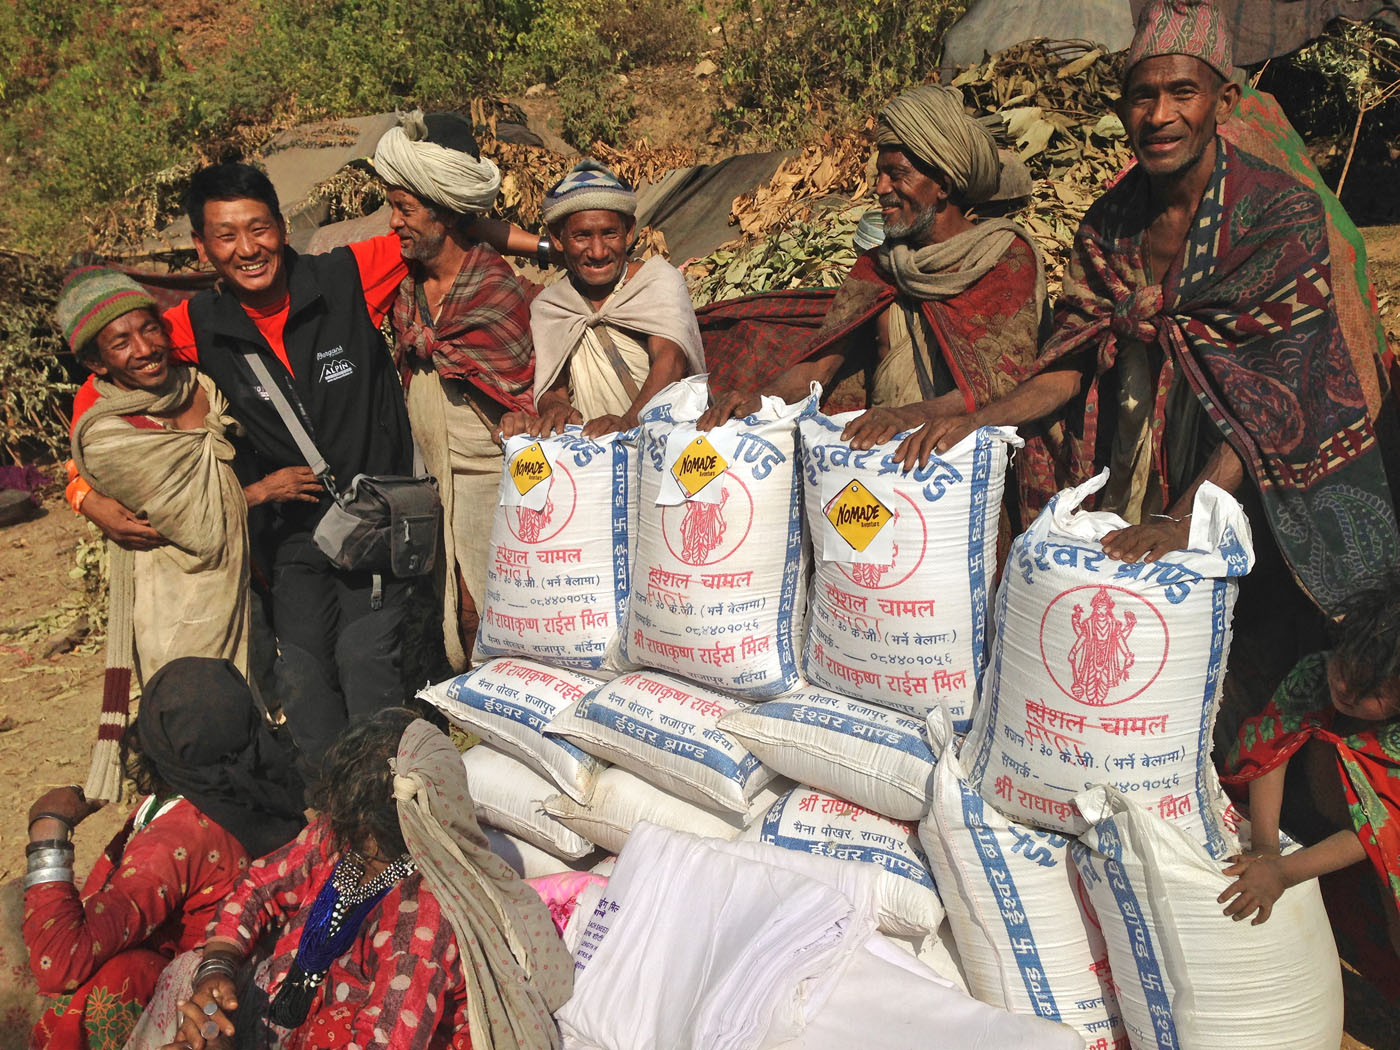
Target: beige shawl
191,596
517,970
951,267
653,301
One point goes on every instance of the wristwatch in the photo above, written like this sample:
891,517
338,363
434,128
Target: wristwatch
543,251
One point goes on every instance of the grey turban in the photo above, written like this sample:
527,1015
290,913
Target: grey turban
447,177
930,123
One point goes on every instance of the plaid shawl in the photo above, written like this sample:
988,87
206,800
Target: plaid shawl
482,333
1247,317
988,334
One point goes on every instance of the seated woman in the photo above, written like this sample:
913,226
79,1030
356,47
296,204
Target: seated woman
219,791
395,924
1323,760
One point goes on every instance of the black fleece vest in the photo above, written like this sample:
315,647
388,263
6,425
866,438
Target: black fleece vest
343,377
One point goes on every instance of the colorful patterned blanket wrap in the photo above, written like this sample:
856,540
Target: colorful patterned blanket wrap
988,334
1246,317
1260,127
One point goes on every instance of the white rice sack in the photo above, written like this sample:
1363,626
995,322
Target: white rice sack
622,800
667,731
811,821
903,567
1026,938
510,795
1189,977
1080,689
509,702
558,574
875,757
721,552
531,862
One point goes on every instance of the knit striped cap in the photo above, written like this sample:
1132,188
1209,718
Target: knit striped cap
589,186
93,297
1183,27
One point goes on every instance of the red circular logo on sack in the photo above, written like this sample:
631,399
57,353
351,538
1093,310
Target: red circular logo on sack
1102,645
706,533
541,526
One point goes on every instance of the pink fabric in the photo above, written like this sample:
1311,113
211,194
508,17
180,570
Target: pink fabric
560,893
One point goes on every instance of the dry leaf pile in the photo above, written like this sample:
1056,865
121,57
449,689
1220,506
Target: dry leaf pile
1054,101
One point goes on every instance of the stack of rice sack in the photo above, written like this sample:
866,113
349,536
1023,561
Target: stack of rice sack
564,580
1079,833
903,567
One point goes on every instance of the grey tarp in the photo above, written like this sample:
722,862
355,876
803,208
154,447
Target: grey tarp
1263,28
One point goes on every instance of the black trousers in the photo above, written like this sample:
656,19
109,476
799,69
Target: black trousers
339,660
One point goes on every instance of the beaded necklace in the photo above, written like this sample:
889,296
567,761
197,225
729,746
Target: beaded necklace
331,927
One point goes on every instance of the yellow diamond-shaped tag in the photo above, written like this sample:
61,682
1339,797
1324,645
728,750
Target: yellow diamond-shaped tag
698,465
856,515
529,467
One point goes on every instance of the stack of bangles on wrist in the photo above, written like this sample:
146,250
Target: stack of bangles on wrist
219,963
50,860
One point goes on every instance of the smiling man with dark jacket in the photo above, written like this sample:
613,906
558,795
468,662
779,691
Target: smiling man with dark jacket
314,320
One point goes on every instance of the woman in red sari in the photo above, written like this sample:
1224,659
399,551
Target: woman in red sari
218,792
1323,760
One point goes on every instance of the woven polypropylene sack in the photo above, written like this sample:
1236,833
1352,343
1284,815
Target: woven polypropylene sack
903,565
1188,976
1109,672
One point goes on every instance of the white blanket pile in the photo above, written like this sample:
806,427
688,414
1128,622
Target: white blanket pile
701,944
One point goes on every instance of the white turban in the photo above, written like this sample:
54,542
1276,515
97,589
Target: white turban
447,177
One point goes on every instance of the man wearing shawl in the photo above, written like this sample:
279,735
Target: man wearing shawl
947,310
462,341
615,332
156,440
396,927
1197,340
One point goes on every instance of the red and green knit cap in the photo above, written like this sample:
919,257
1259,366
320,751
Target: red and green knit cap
1183,27
92,298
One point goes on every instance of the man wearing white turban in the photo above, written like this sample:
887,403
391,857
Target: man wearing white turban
461,339
948,310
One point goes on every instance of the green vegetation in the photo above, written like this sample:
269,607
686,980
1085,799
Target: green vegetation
789,65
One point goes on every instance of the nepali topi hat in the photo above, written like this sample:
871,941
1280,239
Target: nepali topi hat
590,186
93,297
1183,27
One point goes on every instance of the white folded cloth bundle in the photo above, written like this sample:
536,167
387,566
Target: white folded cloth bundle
697,946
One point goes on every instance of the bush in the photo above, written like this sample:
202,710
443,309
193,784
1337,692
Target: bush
783,60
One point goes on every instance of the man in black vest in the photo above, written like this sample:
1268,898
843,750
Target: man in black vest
314,321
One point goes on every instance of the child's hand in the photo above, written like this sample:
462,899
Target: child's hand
1260,880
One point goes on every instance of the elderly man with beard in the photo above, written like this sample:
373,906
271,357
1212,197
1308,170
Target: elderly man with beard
948,309
461,338
615,332
1198,340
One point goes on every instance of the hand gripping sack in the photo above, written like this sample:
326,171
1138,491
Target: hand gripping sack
666,731
903,567
557,578
1027,937
1188,976
810,821
509,795
721,552
875,757
1109,672
509,703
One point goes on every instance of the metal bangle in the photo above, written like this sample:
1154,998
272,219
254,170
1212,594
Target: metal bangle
543,250
209,967
49,858
47,815
42,875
